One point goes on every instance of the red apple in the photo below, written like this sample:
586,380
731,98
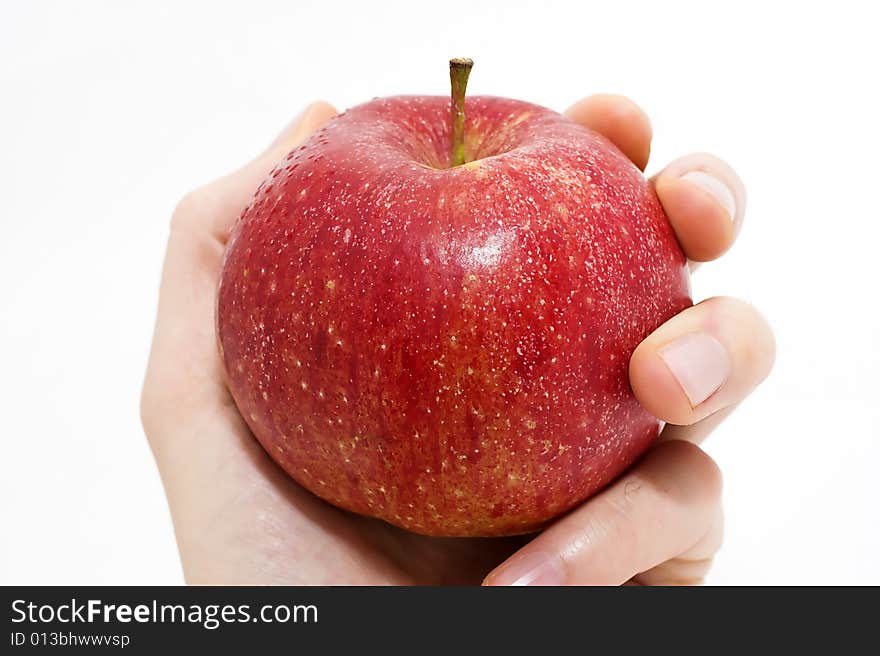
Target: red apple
446,347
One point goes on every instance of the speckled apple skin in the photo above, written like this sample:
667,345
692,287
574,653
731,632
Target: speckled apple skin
447,349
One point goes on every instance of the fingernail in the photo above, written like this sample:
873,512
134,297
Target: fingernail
529,569
714,187
699,363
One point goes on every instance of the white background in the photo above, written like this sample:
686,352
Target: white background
110,111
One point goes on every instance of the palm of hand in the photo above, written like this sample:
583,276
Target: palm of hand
269,528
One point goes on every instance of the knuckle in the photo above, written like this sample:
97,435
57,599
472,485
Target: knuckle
648,487
192,208
148,410
713,479
679,572
156,406
693,474
634,488
614,523
706,472
620,511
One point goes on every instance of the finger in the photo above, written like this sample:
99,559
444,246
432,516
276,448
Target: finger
619,120
707,358
213,208
691,567
656,512
705,202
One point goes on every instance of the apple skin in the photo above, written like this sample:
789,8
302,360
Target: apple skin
447,348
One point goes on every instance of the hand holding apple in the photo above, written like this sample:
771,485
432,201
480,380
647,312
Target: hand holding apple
428,318
239,518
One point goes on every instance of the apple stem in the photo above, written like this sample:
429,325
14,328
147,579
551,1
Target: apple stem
459,71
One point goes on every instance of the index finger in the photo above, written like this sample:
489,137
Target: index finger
213,208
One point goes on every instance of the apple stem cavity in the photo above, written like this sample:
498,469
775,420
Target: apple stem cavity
459,72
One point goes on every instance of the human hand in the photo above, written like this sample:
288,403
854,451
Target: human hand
239,519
